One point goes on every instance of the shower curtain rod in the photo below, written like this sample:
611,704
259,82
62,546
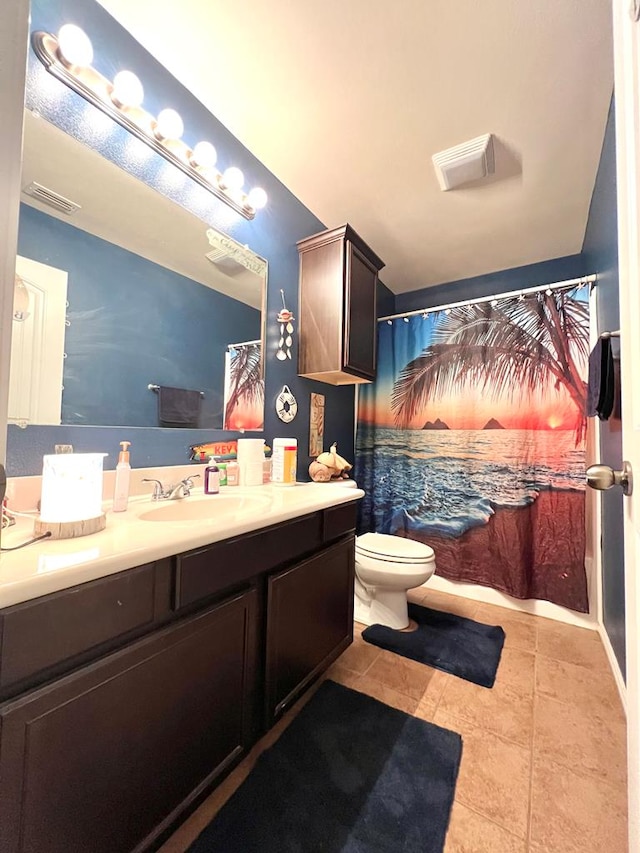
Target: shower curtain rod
585,279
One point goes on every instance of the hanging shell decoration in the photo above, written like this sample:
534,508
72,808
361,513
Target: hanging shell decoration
285,318
329,466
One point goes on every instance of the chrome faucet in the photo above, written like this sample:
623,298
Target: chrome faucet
171,493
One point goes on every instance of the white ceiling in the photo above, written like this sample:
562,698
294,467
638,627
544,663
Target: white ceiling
345,101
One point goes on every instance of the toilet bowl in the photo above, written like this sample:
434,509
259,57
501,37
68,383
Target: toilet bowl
386,567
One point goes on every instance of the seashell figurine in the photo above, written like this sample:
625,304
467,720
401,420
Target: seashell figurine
329,466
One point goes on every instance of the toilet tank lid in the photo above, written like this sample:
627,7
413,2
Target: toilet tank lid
393,546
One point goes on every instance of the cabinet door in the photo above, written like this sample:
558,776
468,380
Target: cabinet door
107,757
309,622
360,315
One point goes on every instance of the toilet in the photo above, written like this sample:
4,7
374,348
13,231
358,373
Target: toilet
386,567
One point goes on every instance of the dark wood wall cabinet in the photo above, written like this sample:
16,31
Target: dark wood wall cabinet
126,699
337,307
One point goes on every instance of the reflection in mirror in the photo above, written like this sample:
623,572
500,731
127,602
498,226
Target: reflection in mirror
127,290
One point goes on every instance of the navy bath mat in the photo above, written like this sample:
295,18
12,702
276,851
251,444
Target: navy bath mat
349,775
445,641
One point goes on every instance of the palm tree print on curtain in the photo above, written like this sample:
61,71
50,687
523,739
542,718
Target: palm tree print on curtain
472,441
243,387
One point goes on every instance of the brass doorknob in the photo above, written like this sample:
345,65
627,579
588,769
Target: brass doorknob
603,477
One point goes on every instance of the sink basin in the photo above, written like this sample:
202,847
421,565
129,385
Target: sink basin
209,508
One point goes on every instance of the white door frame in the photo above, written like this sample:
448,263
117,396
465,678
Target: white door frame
627,93
13,63
37,346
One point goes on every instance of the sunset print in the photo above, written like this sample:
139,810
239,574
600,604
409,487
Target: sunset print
244,388
472,440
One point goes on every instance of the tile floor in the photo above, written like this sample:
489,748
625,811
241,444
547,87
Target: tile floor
543,766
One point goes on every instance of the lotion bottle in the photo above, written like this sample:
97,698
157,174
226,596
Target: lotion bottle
233,473
123,477
211,477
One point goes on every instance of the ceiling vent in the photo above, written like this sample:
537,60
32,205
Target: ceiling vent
466,162
51,198
232,256
224,262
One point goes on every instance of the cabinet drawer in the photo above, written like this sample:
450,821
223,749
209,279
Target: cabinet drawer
339,520
211,570
44,632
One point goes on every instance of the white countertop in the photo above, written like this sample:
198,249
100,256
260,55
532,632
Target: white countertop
129,541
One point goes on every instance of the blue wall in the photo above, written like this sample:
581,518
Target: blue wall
133,322
600,252
272,234
545,272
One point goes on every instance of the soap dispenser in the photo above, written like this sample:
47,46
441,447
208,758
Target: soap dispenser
212,477
123,477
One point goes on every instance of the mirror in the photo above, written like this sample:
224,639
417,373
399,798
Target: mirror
128,293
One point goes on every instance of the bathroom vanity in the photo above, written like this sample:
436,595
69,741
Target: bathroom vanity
126,698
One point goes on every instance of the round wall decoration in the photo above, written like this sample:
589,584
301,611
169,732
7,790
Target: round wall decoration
286,405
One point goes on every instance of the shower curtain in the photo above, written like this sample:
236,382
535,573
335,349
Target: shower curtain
472,440
243,387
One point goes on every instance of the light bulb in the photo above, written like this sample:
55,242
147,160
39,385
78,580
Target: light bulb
127,90
74,46
232,178
257,198
204,154
169,125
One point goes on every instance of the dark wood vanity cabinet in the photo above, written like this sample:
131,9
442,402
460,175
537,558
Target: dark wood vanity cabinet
110,731
337,307
100,759
310,622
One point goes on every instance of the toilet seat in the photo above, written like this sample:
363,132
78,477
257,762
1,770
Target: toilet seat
393,549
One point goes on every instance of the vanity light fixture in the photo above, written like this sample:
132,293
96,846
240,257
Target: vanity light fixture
257,198
168,125
127,90
68,57
204,155
74,47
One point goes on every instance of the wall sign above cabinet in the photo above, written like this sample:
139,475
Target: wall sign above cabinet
338,281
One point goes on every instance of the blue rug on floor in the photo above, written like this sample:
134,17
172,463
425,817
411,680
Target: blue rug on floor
349,775
462,647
